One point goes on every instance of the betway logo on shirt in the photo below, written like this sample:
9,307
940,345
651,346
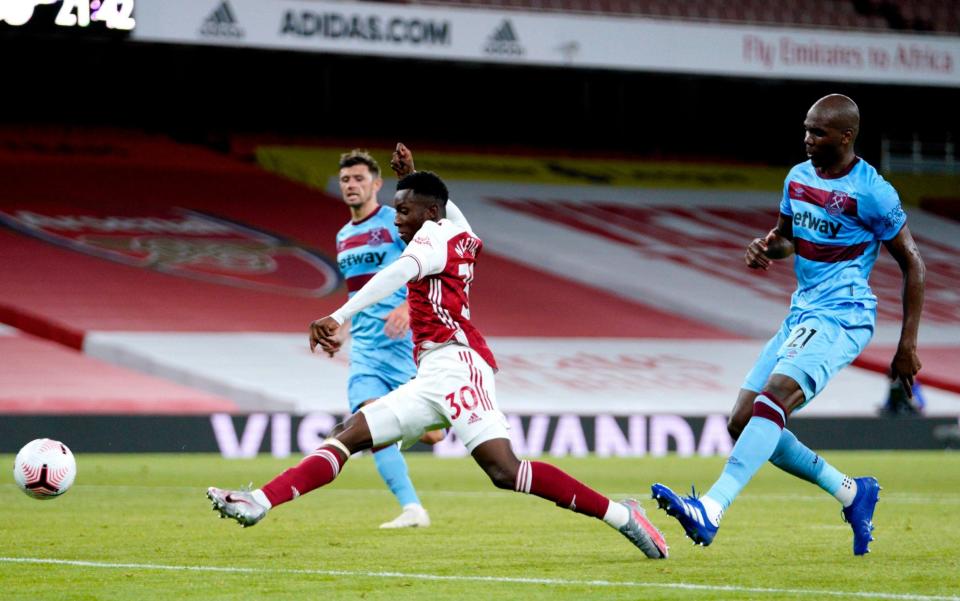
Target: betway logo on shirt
810,222
368,258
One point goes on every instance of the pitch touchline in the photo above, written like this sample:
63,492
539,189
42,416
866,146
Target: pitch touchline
496,579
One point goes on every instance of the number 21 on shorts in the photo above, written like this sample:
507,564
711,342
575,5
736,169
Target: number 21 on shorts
797,339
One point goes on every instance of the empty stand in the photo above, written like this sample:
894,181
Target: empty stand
193,270
42,377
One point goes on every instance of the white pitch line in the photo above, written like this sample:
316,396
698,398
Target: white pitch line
487,579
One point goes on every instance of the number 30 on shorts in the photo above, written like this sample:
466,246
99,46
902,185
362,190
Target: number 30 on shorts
466,399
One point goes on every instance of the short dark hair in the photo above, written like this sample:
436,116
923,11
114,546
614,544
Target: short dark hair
360,157
425,183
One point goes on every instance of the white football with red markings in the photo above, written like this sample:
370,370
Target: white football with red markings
44,468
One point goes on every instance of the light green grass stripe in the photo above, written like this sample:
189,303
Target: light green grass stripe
494,579
888,497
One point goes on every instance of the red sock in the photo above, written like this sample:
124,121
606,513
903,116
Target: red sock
315,470
548,482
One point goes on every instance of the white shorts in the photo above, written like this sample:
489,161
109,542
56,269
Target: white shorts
454,388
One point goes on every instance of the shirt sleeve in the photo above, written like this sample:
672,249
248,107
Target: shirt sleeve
882,212
387,281
455,215
428,249
785,208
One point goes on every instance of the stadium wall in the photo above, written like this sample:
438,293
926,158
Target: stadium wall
283,434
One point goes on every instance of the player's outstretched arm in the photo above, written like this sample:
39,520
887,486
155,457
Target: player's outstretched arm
455,215
402,164
387,281
906,362
777,244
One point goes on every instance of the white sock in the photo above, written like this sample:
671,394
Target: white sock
847,491
413,506
261,498
617,515
714,510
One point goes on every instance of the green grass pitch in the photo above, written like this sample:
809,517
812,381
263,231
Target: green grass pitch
139,527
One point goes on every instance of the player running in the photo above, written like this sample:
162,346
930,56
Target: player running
835,211
381,356
454,386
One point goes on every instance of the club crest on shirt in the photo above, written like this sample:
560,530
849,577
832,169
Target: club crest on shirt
376,238
837,202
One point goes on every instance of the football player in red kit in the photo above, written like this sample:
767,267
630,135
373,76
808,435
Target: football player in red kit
454,387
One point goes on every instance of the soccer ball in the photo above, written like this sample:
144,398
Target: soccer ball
44,468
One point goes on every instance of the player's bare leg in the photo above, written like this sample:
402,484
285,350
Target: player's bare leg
433,437
497,459
741,413
317,469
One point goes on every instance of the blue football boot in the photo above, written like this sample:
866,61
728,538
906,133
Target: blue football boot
689,512
860,513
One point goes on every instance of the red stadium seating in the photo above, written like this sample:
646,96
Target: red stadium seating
58,292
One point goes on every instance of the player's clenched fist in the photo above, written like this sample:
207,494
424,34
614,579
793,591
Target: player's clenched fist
323,333
402,161
755,256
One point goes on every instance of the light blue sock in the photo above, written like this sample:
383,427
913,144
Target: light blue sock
793,457
756,444
393,469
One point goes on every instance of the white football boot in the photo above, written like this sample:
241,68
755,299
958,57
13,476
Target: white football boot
237,504
413,516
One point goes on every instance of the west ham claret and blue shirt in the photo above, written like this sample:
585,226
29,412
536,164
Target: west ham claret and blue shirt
364,248
838,225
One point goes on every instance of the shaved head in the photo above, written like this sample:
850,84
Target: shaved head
832,125
837,111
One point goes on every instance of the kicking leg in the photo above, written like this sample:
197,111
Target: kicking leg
857,495
497,459
315,470
756,444
793,457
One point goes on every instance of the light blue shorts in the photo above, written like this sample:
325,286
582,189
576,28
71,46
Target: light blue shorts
376,371
812,346
362,387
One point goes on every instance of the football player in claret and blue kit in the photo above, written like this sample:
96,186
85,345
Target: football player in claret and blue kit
381,354
835,213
